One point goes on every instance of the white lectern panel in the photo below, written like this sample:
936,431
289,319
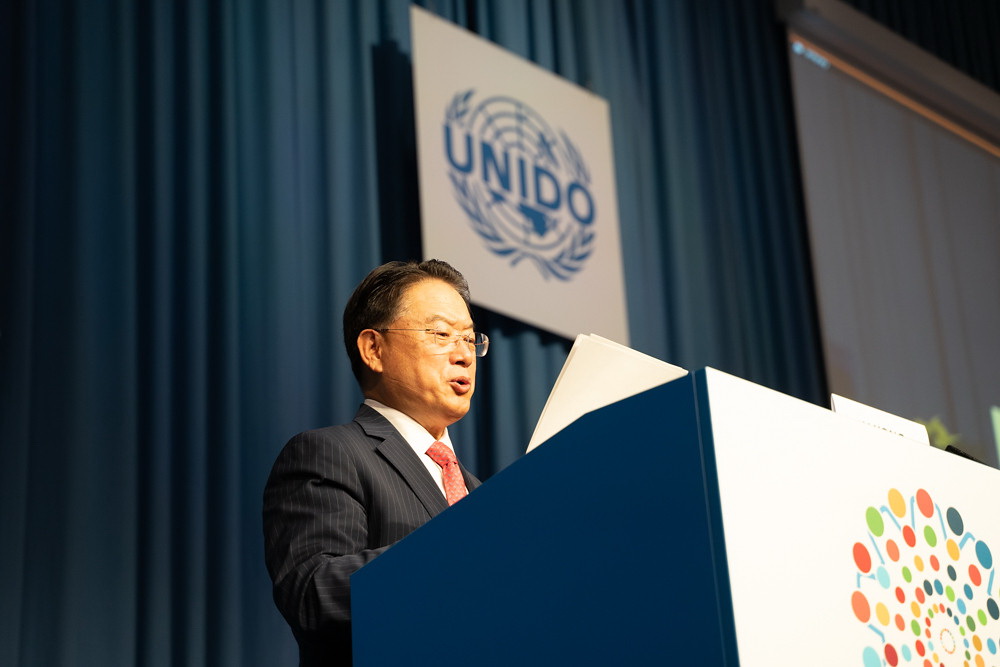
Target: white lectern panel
848,545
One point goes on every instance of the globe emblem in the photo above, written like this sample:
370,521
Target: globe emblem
524,187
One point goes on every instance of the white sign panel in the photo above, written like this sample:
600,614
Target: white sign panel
847,545
517,184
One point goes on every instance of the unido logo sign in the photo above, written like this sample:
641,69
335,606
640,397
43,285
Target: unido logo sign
524,187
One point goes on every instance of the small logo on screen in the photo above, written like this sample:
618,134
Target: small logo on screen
525,188
925,586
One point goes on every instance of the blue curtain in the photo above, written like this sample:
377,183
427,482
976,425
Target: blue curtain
190,191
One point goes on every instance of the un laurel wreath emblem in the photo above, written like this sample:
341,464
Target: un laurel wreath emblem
524,188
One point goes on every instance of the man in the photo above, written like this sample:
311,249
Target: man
339,496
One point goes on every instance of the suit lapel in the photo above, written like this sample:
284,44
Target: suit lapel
471,481
402,457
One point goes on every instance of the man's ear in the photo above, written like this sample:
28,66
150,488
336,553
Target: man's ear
370,349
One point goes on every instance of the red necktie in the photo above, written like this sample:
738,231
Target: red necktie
454,483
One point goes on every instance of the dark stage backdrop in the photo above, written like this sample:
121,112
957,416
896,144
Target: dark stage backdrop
962,33
190,190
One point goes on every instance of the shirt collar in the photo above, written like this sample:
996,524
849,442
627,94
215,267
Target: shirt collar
415,435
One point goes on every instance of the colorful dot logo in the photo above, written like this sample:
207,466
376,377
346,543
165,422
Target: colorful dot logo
925,587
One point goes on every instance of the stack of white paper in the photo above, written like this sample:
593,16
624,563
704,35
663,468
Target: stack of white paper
597,372
880,419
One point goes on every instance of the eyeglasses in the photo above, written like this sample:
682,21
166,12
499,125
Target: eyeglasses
477,342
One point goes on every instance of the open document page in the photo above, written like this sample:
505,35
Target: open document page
597,372
880,419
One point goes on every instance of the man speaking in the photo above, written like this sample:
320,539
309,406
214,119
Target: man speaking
339,496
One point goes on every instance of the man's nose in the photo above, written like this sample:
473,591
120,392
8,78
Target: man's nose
462,353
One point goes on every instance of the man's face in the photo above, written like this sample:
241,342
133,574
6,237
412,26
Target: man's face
430,383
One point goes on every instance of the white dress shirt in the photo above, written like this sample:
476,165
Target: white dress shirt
415,435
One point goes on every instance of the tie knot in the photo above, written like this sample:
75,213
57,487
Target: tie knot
441,454
451,474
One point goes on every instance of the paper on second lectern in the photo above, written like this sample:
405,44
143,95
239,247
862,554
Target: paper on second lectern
598,372
880,419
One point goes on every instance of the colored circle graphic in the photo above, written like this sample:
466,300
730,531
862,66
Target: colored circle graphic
925,585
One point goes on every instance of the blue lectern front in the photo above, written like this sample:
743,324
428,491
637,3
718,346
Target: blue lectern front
708,521
602,546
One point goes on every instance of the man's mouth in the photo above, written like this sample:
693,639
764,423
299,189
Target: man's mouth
461,385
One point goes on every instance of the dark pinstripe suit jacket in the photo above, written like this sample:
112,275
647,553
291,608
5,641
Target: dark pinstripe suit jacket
337,497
